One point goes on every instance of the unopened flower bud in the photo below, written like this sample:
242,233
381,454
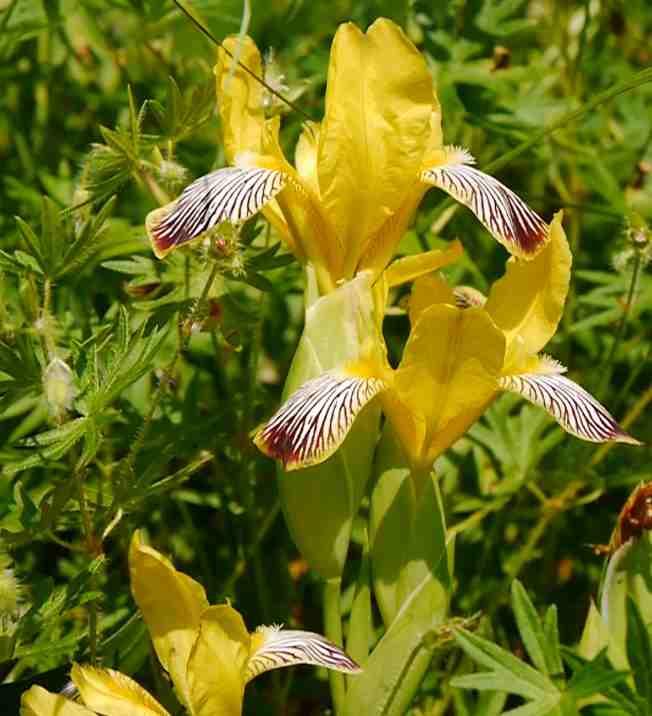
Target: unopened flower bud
10,589
59,387
172,175
276,79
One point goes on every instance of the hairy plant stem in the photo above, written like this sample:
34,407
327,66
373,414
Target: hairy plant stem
247,476
130,459
92,551
254,548
607,369
333,630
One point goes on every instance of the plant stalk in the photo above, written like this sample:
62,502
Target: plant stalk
622,325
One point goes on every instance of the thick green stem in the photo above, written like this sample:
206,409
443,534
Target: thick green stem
410,681
333,629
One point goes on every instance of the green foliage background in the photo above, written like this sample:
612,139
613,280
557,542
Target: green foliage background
95,94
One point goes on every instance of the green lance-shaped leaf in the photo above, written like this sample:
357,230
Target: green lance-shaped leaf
625,604
407,530
393,672
320,502
410,570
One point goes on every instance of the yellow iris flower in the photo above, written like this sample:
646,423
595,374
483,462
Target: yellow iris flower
358,176
462,351
206,649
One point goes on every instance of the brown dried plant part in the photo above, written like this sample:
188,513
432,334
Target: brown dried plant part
634,518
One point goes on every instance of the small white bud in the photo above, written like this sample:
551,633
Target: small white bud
58,383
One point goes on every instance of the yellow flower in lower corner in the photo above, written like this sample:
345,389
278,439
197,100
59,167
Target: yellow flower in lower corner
206,649
462,351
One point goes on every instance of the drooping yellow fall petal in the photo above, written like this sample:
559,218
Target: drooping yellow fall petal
449,373
216,668
527,303
112,693
240,97
379,101
172,604
38,702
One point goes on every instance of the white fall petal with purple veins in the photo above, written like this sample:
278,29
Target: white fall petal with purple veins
509,219
233,194
287,647
314,421
576,410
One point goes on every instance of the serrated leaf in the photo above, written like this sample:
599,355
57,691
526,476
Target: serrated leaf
31,240
86,243
529,626
595,678
520,678
404,645
551,641
537,708
258,281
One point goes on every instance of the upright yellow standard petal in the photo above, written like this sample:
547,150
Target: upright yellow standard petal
305,156
426,292
171,604
527,303
39,702
112,693
449,374
240,97
379,101
216,669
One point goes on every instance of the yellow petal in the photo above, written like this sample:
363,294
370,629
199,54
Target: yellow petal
435,144
112,693
39,702
305,156
527,303
240,97
377,250
379,101
426,292
216,669
171,604
409,268
449,374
